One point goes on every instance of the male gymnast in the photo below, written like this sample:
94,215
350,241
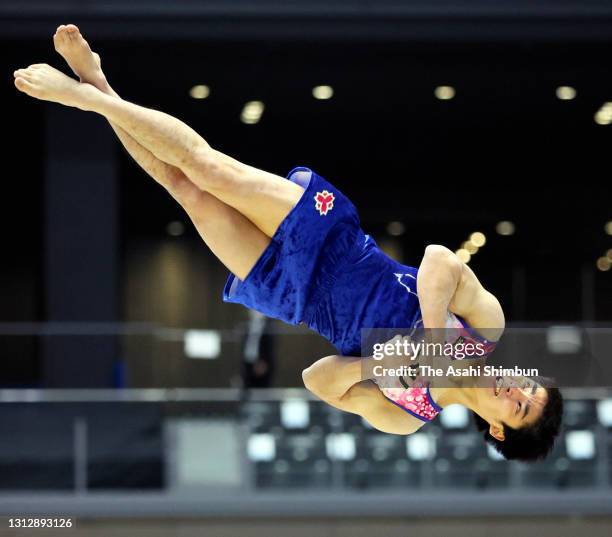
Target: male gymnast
296,252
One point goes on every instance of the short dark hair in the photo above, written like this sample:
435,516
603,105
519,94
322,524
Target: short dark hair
531,443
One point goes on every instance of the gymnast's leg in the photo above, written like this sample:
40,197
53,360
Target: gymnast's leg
262,197
236,241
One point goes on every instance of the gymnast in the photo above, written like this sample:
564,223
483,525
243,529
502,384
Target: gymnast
296,252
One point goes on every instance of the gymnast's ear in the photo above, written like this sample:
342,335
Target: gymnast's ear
497,432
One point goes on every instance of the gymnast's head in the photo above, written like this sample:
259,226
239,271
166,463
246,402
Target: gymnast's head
520,417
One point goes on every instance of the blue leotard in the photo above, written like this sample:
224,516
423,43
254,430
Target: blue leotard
323,270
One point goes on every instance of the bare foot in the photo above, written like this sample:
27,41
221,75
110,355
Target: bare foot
43,82
85,64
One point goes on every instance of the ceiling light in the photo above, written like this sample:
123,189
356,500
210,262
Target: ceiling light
604,115
464,255
604,264
252,111
566,93
444,93
478,239
470,247
505,227
199,92
322,92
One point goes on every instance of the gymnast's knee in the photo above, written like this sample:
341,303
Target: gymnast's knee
185,192
203,167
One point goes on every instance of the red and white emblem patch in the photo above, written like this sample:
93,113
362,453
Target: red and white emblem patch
324,202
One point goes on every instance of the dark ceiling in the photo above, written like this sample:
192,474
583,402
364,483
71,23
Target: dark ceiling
504,148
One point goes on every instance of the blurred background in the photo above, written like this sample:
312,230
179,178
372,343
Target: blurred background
132,398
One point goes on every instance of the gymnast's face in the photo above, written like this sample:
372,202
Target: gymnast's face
515,401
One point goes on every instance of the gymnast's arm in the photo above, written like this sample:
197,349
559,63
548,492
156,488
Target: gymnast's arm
338,381
445,283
